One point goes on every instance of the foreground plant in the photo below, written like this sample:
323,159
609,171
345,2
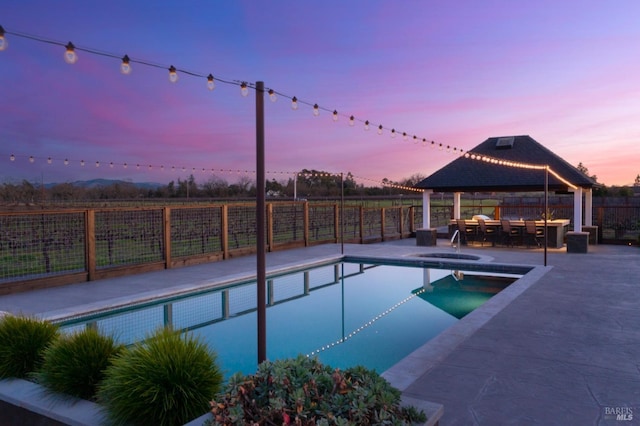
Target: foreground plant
22,344
304,392
167,380
75,364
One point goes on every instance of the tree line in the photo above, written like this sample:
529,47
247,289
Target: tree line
308,183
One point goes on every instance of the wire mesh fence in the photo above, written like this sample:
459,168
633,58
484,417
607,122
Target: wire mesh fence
126,237
33,245
196,231
288,222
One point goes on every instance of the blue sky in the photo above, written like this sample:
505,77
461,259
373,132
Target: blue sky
456,73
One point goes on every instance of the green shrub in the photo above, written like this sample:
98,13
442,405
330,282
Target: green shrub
302,391
167,380
22,344
74,364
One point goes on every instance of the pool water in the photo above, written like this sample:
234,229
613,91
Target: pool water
345,314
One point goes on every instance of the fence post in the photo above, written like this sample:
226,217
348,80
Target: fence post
306,223
270,226
336,222
90,241
361,224
166,213
224,231
382,223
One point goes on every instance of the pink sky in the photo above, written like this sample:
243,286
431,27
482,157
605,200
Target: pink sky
564,73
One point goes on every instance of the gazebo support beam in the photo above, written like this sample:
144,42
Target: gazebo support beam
456,205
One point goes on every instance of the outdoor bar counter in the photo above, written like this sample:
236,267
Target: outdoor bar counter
556,229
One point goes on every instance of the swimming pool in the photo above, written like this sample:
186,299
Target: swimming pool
345,313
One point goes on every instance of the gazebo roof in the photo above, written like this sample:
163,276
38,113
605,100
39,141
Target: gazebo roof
469,175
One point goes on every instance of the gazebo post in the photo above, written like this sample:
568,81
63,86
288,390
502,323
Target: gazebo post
577,241
426,208
456,205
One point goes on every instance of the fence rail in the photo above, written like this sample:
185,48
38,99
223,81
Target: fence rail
55,247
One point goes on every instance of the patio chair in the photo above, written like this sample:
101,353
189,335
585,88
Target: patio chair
486,233
533,233
508,233
467,233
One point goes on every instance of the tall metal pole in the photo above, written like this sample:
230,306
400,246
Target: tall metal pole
260,225
341,213
546,212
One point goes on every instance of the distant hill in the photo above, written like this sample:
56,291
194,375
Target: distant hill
96,183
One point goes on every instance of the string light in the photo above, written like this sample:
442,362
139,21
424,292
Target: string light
70,56
81,163
125,66
366,125
335,115
97,164
49,160
12,157
173,74
66,162
272,95
31,159
404,136
3,41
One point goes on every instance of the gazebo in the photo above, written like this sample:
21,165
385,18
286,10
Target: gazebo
511,164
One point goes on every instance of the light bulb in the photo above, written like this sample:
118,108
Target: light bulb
316,110
124,165
424,142
352,120
81,163
66,162
433,144
31,159
210,83
393,133
125,67
294,103
3,41
173,75
97,164
111,165
335,115
440,147
404,135
380,129
366,125
272,95
137,166
415,139
12,157
49,160
244,91
70,56
448,148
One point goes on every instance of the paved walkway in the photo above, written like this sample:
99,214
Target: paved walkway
559,347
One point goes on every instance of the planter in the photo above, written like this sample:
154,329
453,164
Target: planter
24,403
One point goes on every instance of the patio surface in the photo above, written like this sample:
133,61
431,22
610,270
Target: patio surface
559,347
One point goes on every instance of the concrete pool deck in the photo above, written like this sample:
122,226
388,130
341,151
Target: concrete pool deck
560,347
